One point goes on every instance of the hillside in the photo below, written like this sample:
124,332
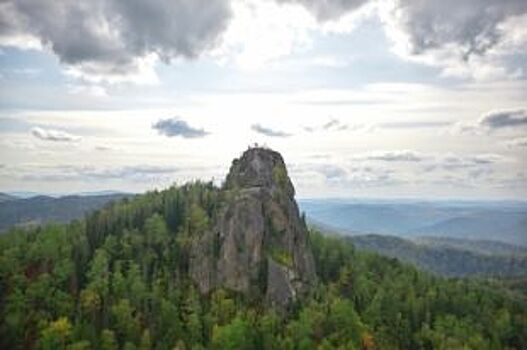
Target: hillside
4,197
450,257
43,209
151,272
497,221
486,247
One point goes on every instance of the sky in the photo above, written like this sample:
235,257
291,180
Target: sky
363,98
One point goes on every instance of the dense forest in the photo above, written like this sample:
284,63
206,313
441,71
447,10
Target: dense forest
119,279
448,259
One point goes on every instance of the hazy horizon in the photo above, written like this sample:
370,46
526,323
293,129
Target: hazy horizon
22,194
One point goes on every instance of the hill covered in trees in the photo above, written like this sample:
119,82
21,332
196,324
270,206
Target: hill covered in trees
450,257
40,209
127,277
502,221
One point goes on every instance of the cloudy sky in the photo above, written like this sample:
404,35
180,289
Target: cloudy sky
364,98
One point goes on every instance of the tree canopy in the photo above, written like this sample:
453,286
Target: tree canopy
119,280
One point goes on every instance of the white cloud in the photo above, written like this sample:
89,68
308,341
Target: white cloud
92,173
505,119
139,71
325,10
345,176
332,124
395,156
517,142
478,39
176,127
114,40
110,41
54,135
268,131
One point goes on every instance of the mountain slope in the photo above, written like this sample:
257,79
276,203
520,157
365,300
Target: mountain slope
446,260
43,209
499,221
497,225
485,247
4,197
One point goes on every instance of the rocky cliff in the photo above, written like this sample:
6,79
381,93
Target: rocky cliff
258,244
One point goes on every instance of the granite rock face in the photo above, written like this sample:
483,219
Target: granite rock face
258,244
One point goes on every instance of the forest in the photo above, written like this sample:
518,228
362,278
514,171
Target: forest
119,279
448,259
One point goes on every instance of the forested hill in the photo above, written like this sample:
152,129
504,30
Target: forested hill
450,257
125,278
502,221
42,209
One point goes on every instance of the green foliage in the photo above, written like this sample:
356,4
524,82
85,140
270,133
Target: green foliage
222,307
146,342
119,280
56,334
281,256
108,341
236,335
125,320
198,220
280,176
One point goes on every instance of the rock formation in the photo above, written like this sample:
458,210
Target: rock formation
258,244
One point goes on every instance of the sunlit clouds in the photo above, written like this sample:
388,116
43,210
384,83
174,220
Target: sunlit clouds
387,98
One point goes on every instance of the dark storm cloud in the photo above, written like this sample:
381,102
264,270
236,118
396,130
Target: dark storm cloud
325,10
111,35
268,132
176,127
504,119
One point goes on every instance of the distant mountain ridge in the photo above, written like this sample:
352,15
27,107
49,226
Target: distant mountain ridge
43,209
450,258
31,194
477,246
503,221
4,197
